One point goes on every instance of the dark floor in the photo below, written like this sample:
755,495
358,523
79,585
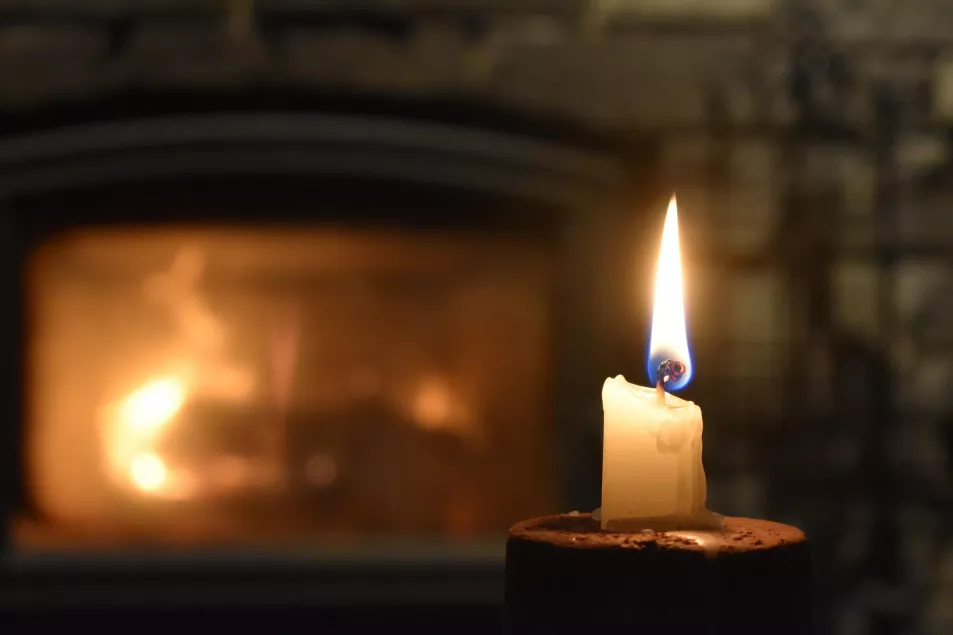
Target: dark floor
273,621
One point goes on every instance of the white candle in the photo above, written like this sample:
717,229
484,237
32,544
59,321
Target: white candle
652,473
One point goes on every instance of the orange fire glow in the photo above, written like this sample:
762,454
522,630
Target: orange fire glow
148,472
149,408
134,425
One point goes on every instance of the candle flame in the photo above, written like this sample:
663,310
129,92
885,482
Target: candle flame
669,339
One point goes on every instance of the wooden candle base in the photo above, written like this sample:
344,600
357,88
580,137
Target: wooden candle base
564,573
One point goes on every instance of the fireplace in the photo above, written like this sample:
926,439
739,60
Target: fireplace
357,332
341,380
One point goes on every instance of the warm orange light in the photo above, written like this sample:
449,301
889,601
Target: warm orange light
433,406
436,408
669,337
135,424
152,406
148,472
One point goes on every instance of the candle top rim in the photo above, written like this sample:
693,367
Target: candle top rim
648,395
737,535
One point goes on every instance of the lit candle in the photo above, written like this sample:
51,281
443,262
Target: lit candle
653,558
652,473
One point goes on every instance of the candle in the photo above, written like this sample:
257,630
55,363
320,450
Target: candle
653,558
652,473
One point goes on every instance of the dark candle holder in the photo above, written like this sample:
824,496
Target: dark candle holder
565,574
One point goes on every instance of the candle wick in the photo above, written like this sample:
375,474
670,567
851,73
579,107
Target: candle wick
668,370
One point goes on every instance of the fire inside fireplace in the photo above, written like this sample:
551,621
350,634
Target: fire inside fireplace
230,383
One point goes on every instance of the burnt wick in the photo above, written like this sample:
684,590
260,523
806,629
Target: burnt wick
668,371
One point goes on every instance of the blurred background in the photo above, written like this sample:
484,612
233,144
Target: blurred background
311,299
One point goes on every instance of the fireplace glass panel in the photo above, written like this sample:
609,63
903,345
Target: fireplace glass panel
198,385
